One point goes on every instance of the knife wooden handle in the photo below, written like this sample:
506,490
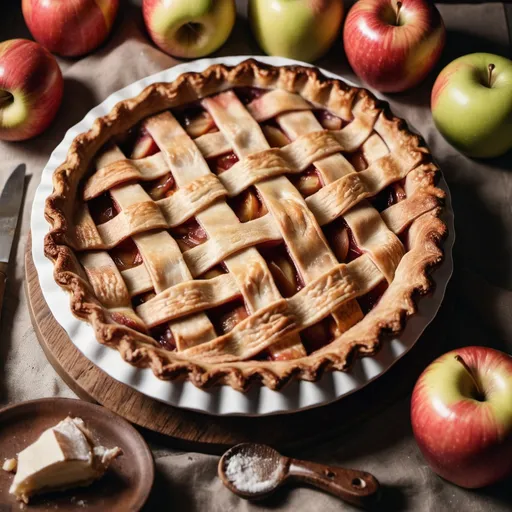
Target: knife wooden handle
3,282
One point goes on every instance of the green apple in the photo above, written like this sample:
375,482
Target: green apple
472,104
189,28
297,29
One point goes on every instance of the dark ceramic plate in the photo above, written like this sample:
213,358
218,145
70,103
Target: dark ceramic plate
126,485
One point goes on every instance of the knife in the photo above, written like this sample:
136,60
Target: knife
10,204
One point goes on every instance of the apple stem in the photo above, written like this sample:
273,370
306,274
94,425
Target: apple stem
490,69
480,393
398,7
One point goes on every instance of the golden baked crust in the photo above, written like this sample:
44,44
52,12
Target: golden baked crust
226,359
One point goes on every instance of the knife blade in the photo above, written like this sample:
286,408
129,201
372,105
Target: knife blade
10,205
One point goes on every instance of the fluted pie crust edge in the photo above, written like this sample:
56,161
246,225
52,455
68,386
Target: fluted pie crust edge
425,234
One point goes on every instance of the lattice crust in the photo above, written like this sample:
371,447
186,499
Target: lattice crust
346,160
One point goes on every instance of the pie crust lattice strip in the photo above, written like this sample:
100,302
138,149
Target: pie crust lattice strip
261,224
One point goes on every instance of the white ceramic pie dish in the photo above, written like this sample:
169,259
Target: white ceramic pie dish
222,400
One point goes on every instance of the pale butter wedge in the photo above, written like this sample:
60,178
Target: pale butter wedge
64,456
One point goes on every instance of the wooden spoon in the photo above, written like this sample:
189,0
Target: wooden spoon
253,471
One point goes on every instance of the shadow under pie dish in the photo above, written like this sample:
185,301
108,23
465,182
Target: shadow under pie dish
243,224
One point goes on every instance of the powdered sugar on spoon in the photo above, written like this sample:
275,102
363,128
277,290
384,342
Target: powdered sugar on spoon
253,471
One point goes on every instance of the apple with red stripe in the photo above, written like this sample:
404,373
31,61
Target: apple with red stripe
31,87
393,45
189,28
70,28
461,414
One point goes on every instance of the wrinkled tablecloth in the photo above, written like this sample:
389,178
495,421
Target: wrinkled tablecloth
480,292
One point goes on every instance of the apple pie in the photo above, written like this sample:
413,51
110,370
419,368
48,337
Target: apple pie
246,224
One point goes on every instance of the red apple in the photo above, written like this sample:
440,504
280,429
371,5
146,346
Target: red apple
70,28
461,414
30,89
393,45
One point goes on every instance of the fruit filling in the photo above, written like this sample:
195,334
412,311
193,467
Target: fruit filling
223,163
282,268
102,208
224,318
189,234
274,135
248,94
357,160
341,241
388,196
328,120
126,255
248,205
195,120
163,335
354,251
338,237
161,187
399,191
307,182
144,145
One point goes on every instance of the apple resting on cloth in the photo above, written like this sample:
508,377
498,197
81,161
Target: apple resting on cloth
31,87
472,104
297,29
70,28
393,45
189,28
461,414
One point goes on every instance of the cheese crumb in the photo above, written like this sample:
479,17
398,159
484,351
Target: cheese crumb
10,465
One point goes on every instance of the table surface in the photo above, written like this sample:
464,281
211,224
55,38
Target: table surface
479,298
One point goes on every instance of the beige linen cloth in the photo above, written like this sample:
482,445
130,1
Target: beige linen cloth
481,289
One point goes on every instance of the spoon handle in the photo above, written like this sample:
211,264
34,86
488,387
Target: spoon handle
351,485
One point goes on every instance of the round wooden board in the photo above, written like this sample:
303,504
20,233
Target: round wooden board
202,432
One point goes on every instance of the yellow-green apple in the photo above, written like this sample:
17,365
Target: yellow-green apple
472,104
393,45
30,89
297,29
70,28
461,414
189,29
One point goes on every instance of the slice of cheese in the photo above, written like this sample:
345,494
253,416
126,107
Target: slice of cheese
64,456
